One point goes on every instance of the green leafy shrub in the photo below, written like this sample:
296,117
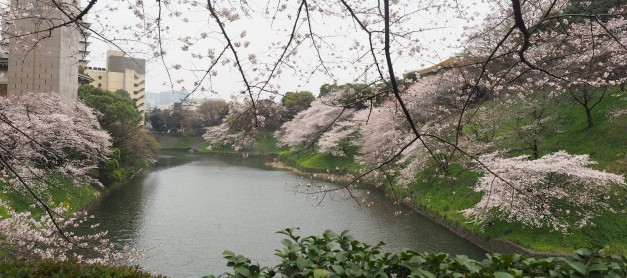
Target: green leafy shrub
340,255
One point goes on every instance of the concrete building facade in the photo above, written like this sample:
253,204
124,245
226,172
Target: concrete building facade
122,73
4,68
43,57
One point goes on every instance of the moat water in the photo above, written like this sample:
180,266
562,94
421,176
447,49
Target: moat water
189,208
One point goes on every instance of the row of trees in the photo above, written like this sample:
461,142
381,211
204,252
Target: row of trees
545,191
242,121
213,112
238,116
186,121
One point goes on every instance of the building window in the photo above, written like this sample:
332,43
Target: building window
100,77
99,85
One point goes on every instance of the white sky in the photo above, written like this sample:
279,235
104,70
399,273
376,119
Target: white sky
436,45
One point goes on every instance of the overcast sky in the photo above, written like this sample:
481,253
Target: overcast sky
112,18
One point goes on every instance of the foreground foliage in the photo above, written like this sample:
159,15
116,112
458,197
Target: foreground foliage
333,255
49,268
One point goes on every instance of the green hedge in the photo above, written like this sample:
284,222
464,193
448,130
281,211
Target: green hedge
48,268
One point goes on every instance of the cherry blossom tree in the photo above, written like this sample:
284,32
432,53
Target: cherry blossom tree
38,237
212,111
522,123
582,57
48,135
309,125
598,64
41,138
548,191
434,103
241,124
221,136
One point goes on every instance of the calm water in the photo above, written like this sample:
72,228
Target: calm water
190,208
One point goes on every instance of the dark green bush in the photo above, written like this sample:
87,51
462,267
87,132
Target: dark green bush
48,268
334,255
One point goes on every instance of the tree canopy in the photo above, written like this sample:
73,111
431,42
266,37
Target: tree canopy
121,119
295,102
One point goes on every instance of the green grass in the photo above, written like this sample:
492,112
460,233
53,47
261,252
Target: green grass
174,142
204,147
61,191
207,147
318,162
445,194
608,230
605,142
266,143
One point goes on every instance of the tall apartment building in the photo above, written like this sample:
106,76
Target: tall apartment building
43,55
122,73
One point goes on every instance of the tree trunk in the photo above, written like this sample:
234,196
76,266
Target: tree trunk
536,153
589,117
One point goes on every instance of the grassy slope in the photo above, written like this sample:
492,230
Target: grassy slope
63,192
319,162
175,142
266,143
606,143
